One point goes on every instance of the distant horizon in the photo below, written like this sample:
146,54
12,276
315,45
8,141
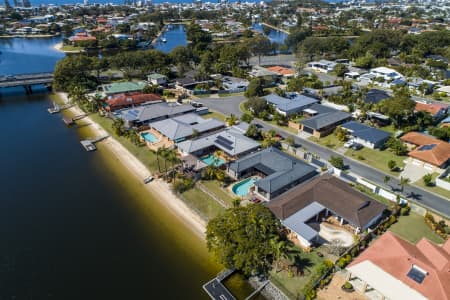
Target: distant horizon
62,2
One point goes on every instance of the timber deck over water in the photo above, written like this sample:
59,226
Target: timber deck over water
89,144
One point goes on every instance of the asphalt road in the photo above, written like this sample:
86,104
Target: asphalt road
230,105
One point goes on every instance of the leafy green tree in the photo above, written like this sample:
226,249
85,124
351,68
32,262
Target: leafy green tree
245,238
397,146
74,70
256,105
337,162
340,70
247,118
399,108
255,88
259,45
428,179
392,165
253,132
340,133
231,120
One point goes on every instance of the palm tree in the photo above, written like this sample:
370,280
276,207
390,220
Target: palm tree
280,248
386,179
231,120
403,182
173,159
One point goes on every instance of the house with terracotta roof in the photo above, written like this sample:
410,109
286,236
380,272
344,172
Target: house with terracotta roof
427,151
126,100
285,72
436,110
82,37
396,269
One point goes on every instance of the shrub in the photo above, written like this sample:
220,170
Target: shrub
404,211
348,286
337,162
392,165
428,179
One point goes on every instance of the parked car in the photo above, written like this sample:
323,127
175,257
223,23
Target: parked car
356,146
348,144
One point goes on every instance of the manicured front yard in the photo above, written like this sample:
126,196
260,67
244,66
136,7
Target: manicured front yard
71,48
202,203
142,153
291,285
377,159
413,228
435,189
215,115
220,192
329,141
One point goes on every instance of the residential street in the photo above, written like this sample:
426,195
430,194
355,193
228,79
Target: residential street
230,105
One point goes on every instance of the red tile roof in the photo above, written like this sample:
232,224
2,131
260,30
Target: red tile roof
432,108
281,70
123,100
429,150
396,257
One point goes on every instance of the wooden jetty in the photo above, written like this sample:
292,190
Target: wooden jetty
79,117
215,288
89,144
56,108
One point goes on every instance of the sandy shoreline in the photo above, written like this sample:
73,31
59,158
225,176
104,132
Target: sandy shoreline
158,188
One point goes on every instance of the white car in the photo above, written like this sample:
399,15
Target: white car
348,144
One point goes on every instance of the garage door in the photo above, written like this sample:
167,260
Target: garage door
308,130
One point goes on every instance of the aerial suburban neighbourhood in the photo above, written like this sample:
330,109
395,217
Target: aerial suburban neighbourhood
271,149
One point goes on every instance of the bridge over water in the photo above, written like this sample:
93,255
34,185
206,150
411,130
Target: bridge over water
27,81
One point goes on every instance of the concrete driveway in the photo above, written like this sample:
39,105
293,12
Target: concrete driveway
414,172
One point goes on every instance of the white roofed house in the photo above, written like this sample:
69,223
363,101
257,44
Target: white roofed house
387,74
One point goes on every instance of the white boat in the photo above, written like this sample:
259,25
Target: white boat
55,109
148,179
164,40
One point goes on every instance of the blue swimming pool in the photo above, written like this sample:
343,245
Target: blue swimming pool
149,137
212,160
242,188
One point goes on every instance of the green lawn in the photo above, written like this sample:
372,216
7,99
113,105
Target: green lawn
377,159
222,193
435,189
216,115
365,190
293,286
413,228
390,128
71,48
329,141
230,95
141,152
202,203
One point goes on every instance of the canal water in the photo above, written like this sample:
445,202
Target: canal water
77,225
275,36
175,36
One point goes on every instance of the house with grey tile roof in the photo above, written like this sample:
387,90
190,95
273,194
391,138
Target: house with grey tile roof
279,171
365,135
143,115
230,140
322,120
179,128
289,106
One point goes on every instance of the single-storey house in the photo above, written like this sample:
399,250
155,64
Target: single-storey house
289,106
111,89
365,135
436,110
444,90
180,128
387,74
263,73
145,114
301,209
322,120
322,65
375,96
234,84
126,100
277,171
396,269
230,140
282,71
427,151
157,79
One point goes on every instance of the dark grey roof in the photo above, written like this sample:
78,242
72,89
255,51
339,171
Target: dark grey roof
365,132
230,140
290,105
183,126
155,111
281,169
332,193
326,116
375,96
